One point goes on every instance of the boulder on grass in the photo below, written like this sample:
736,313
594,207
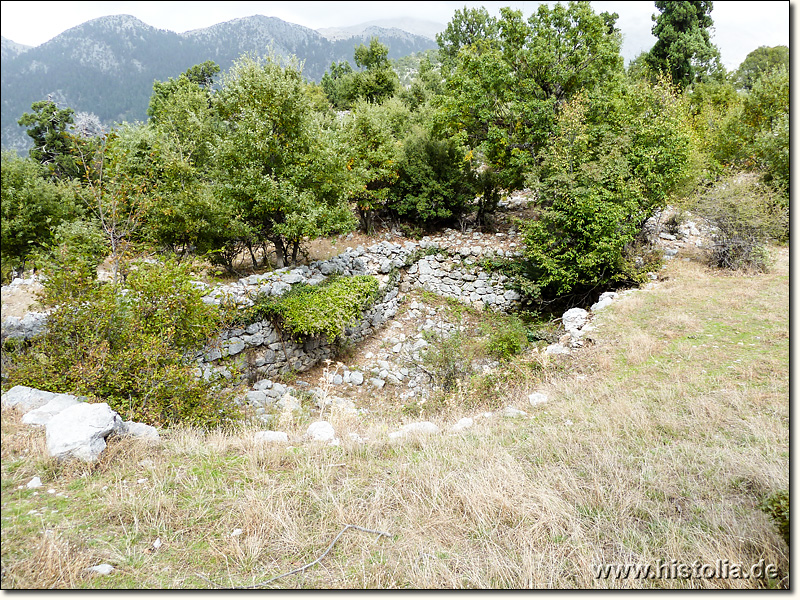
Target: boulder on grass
43,414
26,398
80,431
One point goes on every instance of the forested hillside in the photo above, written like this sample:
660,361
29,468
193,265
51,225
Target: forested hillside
107,66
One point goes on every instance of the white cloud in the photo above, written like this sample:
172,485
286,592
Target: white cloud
740,27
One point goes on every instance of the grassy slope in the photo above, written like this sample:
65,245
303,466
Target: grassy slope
657,443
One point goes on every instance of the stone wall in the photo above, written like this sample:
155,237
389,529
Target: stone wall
261,351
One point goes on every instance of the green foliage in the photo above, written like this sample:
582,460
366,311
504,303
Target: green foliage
447,360
469,26
772,150
508,338
375,82
275,162
503,90
52,144
683,49
753,133
370,137
70,264
435,184
129,348
746,215
312,310
759,62
776,505
613,162
338,85
32,206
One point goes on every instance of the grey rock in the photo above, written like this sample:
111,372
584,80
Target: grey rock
256,397
140,430
27,398
43,414
271,437
420,427
321,431
512,412
235,346
574,318
80,431
102,569
537,398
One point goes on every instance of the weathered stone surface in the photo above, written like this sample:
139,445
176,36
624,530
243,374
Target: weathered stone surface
271,437
321,431
605,299
80,431
574,318
139,430
43,414
462,424
537,398
26,398
556,349
420,427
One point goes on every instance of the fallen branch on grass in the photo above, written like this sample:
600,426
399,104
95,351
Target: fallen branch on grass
304,567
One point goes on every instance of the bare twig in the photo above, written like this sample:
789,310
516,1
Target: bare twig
298,569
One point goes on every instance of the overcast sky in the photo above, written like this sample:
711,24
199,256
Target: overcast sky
739,27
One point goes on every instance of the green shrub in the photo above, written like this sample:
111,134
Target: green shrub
128,347
32,206
745,215
324,309
777,507
70,264
447,360
435,184
508,338
613,163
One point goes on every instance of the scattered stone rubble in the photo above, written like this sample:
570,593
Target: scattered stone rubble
74,428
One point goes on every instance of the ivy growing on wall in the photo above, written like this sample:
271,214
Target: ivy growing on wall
311,310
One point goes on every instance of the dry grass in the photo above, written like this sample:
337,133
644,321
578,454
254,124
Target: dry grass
657,443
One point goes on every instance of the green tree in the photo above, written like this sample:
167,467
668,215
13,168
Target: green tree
468,27
502,95
32,206
613,161
372,145
435,185
377,81
683,48
274,161
338,83
759,62
48,127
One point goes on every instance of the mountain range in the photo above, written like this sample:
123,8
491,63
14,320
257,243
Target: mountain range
106,66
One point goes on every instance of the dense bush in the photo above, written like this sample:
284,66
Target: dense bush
129,347
32,206
70,264
435,184
745,216
508,338
324,309
777,507
613,163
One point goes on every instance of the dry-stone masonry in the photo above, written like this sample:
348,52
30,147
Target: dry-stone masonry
445,265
